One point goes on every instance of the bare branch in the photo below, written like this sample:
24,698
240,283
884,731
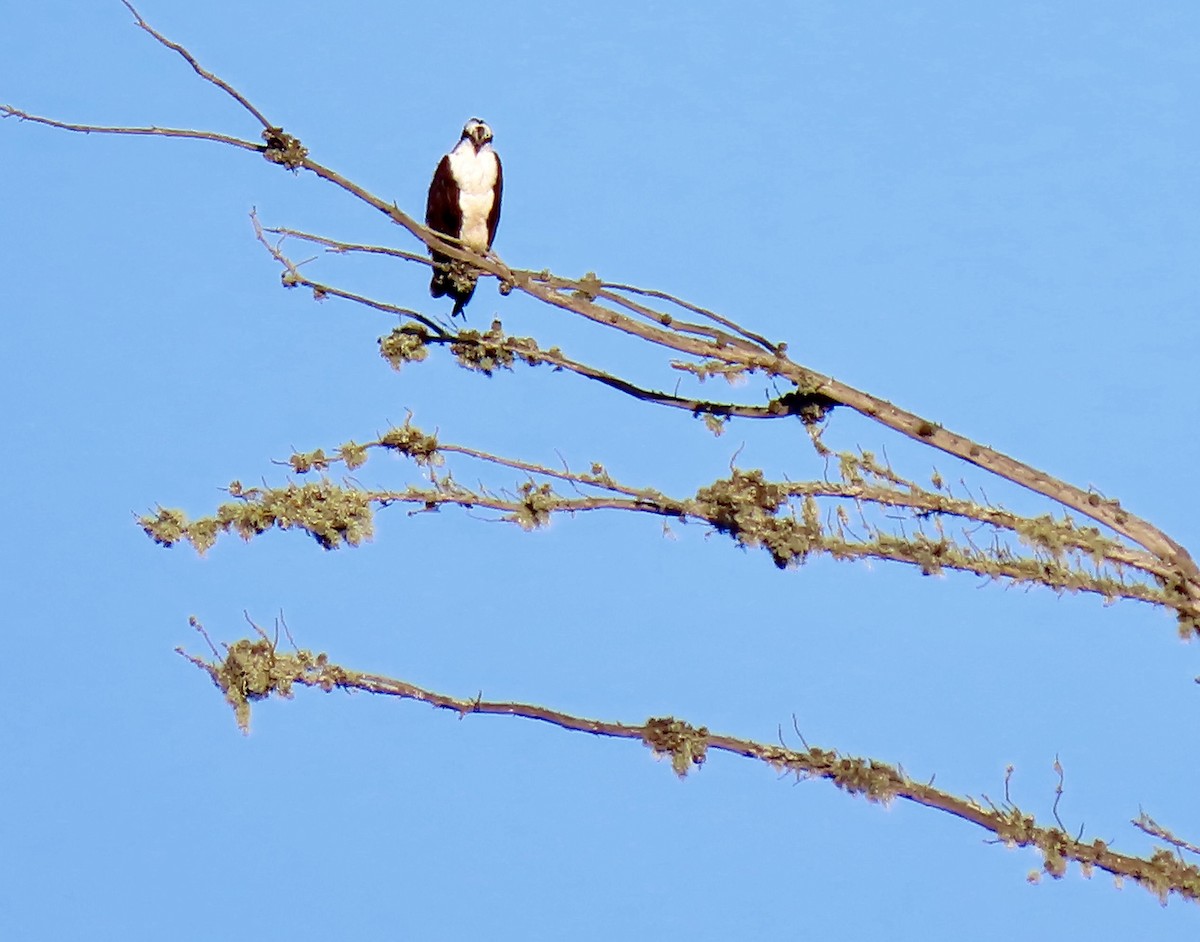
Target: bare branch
293,279
697,309
349,247
200,70
8,111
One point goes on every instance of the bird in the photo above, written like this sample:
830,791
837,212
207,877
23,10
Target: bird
464,202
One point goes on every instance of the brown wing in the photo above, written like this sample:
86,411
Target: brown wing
494,215
442,211
443,214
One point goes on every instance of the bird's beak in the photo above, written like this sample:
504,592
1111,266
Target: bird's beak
477,135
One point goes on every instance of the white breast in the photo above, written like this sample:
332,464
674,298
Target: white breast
475,174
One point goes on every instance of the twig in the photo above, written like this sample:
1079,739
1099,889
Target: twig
725,322
201,71
1143,822
8,111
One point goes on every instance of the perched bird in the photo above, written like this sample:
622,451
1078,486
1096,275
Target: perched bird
464,202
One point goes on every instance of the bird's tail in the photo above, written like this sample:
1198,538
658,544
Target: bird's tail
461,298
439,284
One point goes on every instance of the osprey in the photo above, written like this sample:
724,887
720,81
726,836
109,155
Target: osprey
464,202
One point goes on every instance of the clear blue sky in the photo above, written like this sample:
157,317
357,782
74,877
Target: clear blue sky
984,212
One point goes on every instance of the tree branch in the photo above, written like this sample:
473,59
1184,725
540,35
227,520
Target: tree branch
8,111
253,669
783,518
201,71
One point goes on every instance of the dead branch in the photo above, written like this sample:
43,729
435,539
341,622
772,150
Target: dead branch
782,518
253,669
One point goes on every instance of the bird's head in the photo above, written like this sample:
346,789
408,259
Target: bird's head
477,132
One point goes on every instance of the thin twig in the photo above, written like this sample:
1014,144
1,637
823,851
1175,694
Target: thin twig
725,322
200,70
1143,822
8,111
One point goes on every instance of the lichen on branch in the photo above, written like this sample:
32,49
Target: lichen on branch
254,668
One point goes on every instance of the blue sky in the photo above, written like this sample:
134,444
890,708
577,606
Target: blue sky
985,213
